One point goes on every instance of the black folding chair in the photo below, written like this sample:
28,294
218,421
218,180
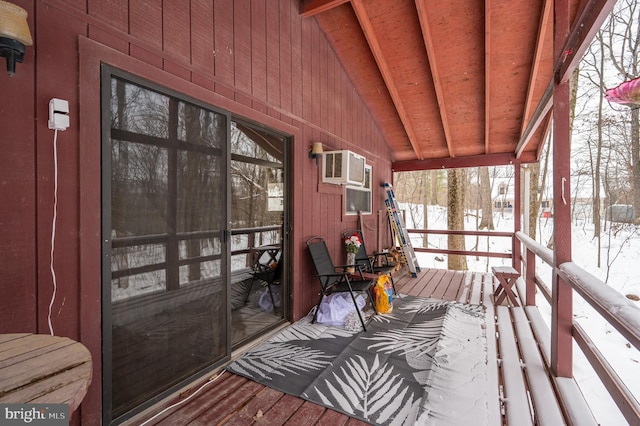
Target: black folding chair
368,261
267,274
332,280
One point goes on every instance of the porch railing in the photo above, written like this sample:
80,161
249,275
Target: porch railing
619,312
610,304
465,233
253,237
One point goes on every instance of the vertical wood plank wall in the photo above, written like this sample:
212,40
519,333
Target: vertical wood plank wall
258,59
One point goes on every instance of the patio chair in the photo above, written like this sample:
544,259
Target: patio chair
368,261
267,274
332,280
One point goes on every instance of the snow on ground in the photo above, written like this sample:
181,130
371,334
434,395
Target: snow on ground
620,249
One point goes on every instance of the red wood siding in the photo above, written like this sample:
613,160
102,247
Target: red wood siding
18,291
257,59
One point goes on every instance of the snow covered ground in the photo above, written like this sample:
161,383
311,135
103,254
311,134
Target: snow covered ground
620,250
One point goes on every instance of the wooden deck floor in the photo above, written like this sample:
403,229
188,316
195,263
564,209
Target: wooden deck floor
234,400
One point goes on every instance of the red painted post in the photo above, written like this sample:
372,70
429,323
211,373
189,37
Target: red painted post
562,302
530,277
517,199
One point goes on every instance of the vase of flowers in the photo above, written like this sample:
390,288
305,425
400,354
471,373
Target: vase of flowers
352,244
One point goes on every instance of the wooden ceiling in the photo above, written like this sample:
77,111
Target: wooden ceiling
454,81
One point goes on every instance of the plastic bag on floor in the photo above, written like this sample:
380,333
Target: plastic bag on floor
335,308
264,302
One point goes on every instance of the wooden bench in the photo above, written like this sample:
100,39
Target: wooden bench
530,392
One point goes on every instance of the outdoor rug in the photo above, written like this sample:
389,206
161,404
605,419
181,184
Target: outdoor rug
424,363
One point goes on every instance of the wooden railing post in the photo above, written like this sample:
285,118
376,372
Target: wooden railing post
517,222
530,277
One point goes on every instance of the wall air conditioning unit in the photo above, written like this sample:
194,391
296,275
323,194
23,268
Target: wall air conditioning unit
343,168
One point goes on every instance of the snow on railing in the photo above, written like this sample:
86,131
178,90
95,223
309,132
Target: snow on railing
619,311
616,309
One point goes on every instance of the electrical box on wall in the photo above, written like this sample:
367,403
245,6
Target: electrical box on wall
343,168
58,114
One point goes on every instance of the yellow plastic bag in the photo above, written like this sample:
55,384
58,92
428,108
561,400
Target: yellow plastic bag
383,295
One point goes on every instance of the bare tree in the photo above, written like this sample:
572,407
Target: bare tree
455,218
485,199
622,42
434,188
595,60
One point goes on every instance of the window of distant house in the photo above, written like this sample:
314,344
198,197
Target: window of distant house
502,189
358,198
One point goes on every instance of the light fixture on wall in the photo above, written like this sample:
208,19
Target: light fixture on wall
14,34
315,151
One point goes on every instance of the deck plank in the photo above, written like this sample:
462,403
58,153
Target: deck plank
228,406
199,404
465,288
280,412
454,285
307,414
432,284
413,283
255,408
333,418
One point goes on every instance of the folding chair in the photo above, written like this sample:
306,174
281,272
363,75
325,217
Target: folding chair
334,281
368,261
267,274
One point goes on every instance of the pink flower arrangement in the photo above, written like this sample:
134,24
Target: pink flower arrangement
352,243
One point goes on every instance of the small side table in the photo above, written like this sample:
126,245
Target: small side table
43,369
507,277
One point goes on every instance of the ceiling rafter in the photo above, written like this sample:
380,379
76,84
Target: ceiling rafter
318,6
547,15
542,110
383,66
487,74
448,80
437,81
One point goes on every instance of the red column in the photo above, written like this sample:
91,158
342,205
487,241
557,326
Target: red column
562,303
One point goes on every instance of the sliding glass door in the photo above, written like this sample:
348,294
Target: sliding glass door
165,265
194,220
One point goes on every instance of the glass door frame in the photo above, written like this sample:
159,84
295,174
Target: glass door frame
107,73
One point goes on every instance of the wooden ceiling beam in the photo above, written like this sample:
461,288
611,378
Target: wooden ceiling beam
583,31
462,162
547,135
547,16
435,75
313,7
385,71
544,106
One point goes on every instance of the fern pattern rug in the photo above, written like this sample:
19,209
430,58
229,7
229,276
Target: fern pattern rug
424,363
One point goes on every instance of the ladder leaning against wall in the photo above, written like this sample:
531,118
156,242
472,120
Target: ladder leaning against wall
397,224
